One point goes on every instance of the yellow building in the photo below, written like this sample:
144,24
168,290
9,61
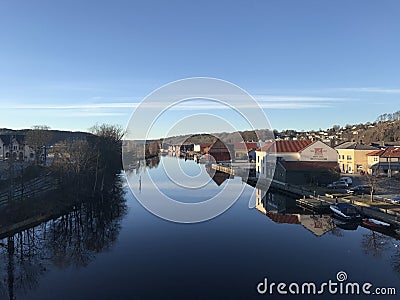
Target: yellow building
353,157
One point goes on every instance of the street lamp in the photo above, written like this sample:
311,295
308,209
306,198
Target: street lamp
389,169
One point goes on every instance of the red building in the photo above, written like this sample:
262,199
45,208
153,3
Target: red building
220,151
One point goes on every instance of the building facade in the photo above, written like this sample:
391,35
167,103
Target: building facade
353,157
385,161
14,146
292,151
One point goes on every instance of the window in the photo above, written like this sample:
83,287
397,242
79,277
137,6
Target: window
258,169
348,157
263,170
258,159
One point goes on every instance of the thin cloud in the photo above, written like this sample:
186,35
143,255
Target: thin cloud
73,106
272,98
371,90
272,103
264,101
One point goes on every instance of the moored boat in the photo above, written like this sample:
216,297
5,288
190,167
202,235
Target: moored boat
376,225
345,225
346,211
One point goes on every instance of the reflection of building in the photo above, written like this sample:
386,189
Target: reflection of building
353,156
317,224
298,161
273,204
217,176
384,161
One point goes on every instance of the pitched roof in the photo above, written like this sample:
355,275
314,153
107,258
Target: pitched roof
283,219
243,146
6,138
355,146
391,152
287,146
376,153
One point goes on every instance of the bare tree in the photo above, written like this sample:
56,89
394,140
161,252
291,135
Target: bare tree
73,157
38,138
373,181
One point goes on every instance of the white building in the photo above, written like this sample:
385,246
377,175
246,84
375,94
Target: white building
292,151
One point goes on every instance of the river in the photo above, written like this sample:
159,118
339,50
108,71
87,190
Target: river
120,250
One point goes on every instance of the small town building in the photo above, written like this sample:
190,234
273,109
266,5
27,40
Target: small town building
297,162
200,148
353,156
385,161
14,146
220,152
245,151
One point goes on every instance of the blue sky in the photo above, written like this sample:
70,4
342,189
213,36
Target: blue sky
310,63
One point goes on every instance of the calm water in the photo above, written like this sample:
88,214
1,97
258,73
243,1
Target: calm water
121,251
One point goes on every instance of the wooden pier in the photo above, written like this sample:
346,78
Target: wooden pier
315,204
389,213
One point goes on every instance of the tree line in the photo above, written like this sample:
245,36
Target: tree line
389,117
90,164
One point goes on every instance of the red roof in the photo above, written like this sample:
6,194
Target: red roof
283,219
287,146
388,152
376,153
243,146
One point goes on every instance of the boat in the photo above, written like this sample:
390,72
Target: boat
345,225
376,225
346,211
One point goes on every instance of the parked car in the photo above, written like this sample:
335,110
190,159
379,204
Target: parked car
347,180
395,200
359,189
338,185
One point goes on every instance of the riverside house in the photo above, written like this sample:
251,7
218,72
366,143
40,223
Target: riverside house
384,161
297,162
245,151
353,156
220,152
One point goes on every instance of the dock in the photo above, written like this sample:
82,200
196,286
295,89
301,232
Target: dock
305,198
315,204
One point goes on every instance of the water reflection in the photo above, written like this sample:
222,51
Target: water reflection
72,239
220,259
282,209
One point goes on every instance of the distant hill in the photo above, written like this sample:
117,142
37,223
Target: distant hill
380,132
228,137
56,135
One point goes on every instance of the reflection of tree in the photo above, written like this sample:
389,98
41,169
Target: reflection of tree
337,232
396,261
153,162
375,243
72,239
